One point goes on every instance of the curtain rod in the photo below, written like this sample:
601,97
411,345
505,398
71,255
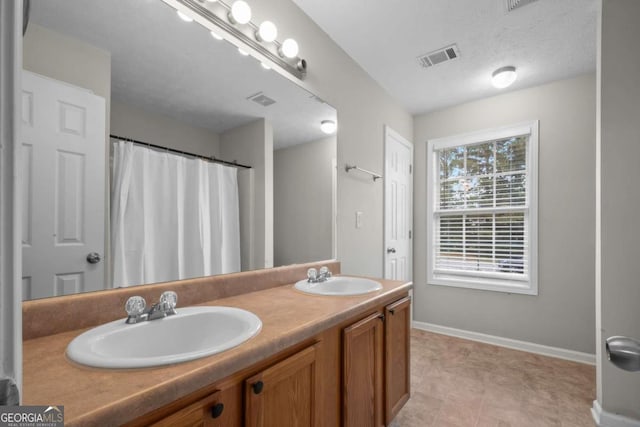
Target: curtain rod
171,150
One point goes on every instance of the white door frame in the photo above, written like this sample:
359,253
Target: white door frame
10,194
387,133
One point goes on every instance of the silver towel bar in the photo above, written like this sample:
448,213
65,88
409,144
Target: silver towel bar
375,176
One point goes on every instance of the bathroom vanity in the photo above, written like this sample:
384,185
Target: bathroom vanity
318,360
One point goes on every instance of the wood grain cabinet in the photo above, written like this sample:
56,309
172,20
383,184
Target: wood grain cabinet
355,374
376,366
205,412
284,394
362,372
397,329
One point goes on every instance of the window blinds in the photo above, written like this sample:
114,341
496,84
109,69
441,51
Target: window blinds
481,209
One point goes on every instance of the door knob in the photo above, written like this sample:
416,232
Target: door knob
391,250
624,352
93,258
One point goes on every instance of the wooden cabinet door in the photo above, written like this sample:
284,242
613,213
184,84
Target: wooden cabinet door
362,373
397,342
284,394
205,412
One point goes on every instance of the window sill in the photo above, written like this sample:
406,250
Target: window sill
510,287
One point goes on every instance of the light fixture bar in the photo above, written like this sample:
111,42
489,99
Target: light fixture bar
207,14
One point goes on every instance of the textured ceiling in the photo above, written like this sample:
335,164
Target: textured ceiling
164,65
546,40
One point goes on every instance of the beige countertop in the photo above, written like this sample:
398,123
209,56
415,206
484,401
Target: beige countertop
104,397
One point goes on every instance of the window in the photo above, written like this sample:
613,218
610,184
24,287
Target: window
482,210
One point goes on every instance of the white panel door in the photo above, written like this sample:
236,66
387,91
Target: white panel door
398,206
63,176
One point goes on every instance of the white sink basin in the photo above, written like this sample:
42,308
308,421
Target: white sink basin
193,333
339,286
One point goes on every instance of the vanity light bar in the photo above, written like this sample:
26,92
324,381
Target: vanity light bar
295,66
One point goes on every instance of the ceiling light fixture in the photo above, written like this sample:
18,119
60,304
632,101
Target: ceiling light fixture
328,126
265,66
184,16
242,52
229,19
267,32
289,48
504,77
240,12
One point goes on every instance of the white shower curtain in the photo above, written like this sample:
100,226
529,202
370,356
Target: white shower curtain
172,217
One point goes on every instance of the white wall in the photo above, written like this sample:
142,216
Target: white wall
303,202
252,144
618,287
363,110
562,315
132,122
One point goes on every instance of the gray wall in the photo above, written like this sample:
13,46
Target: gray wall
562,314
64,58
252,144
132,122
618,290
303,202
69,60
363,110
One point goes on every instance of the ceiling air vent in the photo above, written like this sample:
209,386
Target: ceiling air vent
262,99
515,4
439,56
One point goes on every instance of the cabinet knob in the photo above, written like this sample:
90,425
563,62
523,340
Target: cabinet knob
257,387
381,317
216,410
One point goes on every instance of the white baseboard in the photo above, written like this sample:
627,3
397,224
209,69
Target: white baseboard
607,419
560,353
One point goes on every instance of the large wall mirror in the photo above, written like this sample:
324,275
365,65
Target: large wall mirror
122,100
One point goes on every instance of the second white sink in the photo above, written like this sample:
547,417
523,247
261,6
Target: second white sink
193,333
339,286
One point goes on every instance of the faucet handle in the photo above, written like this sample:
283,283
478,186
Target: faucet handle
324,272
169,299
312,274
135,306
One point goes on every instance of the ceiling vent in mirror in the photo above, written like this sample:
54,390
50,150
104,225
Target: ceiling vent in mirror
262,99
515,4
439,56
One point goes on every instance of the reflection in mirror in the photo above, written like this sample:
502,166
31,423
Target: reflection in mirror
121,102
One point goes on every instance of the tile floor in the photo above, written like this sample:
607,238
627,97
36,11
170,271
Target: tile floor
456,382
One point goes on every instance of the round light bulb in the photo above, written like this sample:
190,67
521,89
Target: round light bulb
268,31
241,12
216,36
289,48
184,16
265,66
242,52
504,77
328,126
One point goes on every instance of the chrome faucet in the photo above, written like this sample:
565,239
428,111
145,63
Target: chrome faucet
315,276
135,308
